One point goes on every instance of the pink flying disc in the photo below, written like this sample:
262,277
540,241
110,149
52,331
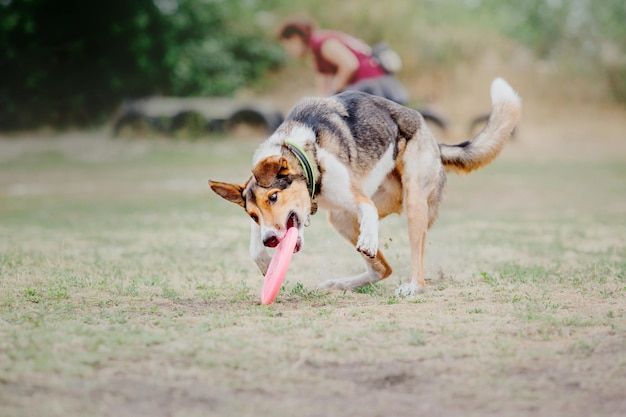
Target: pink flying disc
278,266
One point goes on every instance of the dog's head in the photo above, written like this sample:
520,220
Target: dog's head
275,197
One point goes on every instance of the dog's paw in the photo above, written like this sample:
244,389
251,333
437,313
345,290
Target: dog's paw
350,283
367,245
333,284
409,289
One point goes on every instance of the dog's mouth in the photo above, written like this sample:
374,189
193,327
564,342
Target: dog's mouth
294,221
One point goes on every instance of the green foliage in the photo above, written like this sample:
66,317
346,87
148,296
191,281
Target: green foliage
587,36
72,62
616,76
213,48
538,23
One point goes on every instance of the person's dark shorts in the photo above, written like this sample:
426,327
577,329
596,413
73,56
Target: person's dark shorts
386,86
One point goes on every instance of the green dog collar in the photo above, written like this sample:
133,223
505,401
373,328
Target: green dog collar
306,164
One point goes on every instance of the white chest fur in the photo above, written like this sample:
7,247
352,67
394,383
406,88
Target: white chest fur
338,182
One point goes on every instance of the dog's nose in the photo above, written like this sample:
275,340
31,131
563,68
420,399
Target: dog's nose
271,241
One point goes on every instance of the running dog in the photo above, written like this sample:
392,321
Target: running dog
362,158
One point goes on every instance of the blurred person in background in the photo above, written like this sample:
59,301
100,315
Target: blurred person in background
342,62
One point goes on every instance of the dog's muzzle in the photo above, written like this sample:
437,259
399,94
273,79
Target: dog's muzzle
271,241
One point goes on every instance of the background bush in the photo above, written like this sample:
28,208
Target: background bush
71,62
588,37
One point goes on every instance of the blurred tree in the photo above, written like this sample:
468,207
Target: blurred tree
214,47
70,62
611,25
589,36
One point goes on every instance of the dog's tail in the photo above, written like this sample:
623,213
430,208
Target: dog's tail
506,111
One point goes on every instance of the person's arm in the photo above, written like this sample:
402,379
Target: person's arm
346,62
323,85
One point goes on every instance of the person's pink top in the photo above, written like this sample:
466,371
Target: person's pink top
368,67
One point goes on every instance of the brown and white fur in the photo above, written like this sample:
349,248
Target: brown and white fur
371,158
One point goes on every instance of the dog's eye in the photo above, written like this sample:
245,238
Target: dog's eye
254,217
273,197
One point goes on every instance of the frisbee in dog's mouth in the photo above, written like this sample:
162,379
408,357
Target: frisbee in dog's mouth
278,266
294,221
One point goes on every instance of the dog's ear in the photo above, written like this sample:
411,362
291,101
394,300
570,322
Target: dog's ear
266,171
229,192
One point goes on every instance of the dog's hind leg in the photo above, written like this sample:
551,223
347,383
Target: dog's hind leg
420,184
347,224
417,215
416,207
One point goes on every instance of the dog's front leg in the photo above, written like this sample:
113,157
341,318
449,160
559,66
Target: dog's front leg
347,224
257,250
367,243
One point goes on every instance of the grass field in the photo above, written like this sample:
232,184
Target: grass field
126,290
